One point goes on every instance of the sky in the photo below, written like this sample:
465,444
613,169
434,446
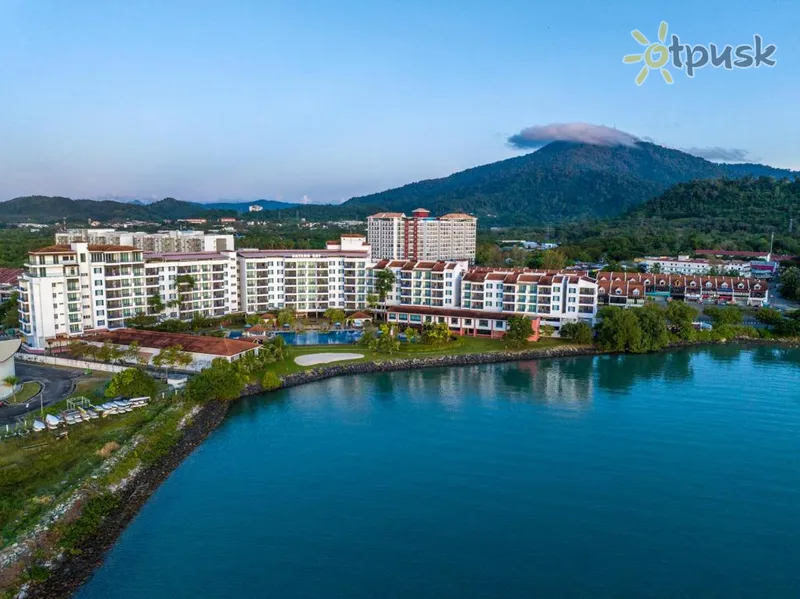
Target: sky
237,99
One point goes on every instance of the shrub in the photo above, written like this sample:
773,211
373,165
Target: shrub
270,381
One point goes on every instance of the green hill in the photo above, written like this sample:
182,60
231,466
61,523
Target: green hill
47,209
560,182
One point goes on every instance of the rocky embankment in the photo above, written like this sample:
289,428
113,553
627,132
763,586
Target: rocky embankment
76,569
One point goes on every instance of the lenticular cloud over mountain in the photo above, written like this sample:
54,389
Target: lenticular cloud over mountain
540,135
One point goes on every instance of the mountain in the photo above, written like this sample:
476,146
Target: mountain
46,209
243,206
721,213
561,181
757,204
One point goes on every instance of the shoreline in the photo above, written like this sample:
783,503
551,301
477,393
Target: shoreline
74,570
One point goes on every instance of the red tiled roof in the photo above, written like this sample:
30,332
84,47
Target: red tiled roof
9,275
200,344
61,248
359,315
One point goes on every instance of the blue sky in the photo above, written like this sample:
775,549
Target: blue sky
243,99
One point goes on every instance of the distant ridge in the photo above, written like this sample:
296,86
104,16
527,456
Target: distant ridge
560,182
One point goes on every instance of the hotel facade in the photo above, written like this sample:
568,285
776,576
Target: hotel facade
395,236
73,289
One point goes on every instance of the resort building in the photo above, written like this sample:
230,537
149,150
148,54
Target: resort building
474,323
632,289
69,289
557,297
683,265
182,285
161,242
435,284
395,236
309,281
8,282
438,288
202,349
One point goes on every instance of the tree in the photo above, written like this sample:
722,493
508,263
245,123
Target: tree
12,381
11,312
656,268
720,316
553,260
132,353
436,334
790,283
489,254
220,381
286,316
769,316
253,319
518,331
372,301
384,283
172,357
155,303
80,349
270,381
619,330
579,332
141,321
131,382
108,352
653,324
680,317
411,334
386,342
547,330
334,315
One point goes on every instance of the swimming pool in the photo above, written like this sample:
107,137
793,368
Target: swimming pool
320,337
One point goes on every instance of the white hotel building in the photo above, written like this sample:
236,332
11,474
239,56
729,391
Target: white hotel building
309,281
395,236
161,242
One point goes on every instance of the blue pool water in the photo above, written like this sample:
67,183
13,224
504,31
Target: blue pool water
320,338
655,476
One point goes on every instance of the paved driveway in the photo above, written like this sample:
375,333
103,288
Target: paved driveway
57,384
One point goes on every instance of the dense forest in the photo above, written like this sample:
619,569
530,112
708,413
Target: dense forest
47,209
560,182
726,213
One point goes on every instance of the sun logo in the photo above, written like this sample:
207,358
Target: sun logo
655,55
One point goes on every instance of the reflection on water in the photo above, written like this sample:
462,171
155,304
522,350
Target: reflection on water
568,382
666,475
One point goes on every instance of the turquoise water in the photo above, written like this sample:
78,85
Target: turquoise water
672,475
320,338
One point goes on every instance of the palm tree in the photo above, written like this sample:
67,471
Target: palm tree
12,381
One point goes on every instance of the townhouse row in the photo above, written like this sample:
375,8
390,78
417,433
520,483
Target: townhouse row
71,289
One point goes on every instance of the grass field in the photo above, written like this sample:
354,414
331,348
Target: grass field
463,345
28,390
39,470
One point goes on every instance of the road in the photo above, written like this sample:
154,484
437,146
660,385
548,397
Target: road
57,384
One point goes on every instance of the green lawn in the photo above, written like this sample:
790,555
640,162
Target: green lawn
28,390
39,470
463,345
